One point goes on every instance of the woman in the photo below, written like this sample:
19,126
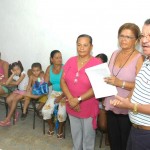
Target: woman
82,106
56,98
139,104
3,75
124,65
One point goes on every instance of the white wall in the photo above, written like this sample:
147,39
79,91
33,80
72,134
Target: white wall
30,29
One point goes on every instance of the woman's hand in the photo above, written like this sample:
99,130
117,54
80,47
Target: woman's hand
121,102
73,102
58,99
113,81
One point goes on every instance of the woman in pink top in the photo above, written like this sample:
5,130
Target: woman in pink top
3,75
82,106
124,65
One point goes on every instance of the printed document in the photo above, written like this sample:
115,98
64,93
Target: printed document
96,76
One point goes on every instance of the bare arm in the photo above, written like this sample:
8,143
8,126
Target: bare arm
30,83
125,103
11,82
127,85
47,76
5,67
65,88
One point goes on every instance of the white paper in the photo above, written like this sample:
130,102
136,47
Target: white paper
96,76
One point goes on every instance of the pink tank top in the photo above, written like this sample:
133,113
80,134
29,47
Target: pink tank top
127,73
1,72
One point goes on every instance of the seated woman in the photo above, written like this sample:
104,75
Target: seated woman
56,98
3,75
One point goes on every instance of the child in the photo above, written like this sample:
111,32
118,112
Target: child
17,78
36,75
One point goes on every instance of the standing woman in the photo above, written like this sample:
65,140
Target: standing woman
124,65
3,75
53,75
82,106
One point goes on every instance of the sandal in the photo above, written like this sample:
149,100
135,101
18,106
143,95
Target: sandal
5,123
50,133
60,136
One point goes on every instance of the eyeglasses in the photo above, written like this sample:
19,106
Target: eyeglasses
76,77
126,37
142,36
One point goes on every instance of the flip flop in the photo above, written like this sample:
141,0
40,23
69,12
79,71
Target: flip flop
4,124
50,133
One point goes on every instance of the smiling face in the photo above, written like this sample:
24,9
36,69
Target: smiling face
145,39
84,46
127,39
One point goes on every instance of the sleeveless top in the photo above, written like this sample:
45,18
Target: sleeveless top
23,84
55,79
1,72
127,73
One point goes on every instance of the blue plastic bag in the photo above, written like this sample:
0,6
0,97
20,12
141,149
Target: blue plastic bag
40,88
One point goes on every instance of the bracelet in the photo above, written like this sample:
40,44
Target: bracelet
135,111
123,84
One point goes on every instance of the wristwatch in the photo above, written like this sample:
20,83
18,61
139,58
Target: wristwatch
135,111
79,99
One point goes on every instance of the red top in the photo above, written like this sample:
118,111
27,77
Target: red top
78,83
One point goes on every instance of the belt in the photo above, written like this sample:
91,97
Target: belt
141,127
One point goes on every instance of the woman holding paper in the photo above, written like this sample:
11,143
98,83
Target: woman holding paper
82,106
124,65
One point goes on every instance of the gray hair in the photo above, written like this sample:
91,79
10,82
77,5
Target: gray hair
147,22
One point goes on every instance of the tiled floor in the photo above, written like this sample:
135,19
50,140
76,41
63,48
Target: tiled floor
22,136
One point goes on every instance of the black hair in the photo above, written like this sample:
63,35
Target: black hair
147,22
11,66
87,36
38,65
103,57
53,53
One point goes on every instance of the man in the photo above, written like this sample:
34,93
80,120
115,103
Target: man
139,104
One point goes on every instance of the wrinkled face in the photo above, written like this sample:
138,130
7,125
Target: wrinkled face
16,70
127,39
36,71
57,59
84,46
145,39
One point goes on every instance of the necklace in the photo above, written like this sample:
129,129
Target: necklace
82,62
122,65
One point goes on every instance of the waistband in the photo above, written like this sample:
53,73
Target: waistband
141,127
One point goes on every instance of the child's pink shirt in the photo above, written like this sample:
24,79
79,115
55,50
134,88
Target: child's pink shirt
88,108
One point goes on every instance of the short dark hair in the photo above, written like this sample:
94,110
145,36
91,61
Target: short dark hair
131,26
38,65
103,57
87,36
147,22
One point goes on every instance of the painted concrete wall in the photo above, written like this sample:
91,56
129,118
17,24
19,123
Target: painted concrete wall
31,29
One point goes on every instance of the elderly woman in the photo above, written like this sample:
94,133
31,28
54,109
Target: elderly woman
124,65
82,106
139,103
3,75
